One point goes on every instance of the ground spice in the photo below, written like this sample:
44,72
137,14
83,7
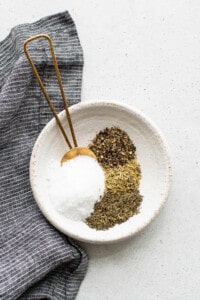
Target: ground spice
114,209
123,178
116,153
112,147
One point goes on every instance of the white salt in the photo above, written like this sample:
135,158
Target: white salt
75,186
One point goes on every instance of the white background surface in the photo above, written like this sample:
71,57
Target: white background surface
147,54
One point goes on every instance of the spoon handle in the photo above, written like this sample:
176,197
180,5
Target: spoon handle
45,91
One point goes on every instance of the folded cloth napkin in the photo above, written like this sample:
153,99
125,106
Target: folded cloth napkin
36,261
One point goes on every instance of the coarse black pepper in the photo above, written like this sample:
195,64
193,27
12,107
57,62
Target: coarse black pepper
112,147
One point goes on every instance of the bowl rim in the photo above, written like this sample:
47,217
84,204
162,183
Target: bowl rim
144,119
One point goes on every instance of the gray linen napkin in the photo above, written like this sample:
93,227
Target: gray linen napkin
36,261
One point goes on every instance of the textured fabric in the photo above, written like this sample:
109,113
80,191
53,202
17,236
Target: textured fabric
36,261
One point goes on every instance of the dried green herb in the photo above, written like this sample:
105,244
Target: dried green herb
112,147
114,209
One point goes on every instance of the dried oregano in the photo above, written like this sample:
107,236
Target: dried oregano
114,209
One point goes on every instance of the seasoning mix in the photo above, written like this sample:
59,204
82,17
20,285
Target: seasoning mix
116,154
102,192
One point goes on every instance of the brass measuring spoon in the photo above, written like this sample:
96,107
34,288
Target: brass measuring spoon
74,151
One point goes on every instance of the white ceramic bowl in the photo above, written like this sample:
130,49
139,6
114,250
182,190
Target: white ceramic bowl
88,119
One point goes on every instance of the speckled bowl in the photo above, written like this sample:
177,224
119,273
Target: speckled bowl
88,119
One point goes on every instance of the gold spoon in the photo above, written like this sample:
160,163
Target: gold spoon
74,151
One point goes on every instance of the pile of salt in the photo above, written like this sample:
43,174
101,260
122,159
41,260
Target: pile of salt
75,186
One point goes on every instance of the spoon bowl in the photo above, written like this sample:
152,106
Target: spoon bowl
77,151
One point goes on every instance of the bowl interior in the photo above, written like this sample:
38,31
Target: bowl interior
88,119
